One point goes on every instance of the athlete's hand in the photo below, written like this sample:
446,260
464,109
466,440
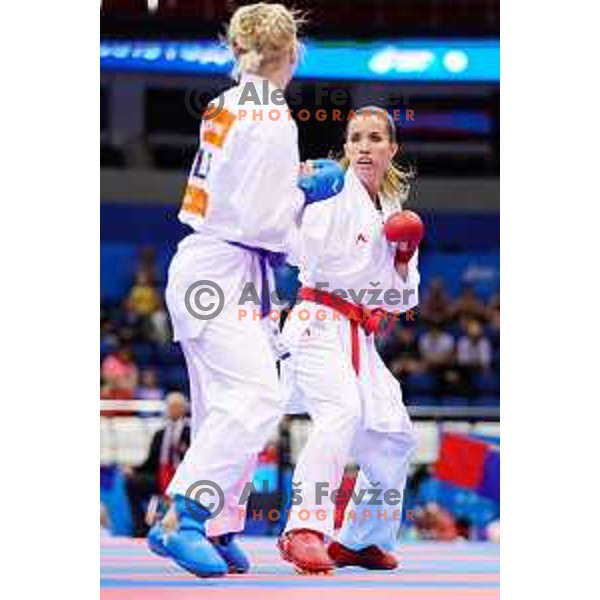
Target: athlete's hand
320,179
405,229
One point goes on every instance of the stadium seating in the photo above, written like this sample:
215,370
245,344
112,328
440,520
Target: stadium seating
460,249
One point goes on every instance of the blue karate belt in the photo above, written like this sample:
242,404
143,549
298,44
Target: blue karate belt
274,260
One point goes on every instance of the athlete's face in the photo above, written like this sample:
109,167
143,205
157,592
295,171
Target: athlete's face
369,149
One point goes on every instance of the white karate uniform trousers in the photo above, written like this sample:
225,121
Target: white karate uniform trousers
236,406
320,377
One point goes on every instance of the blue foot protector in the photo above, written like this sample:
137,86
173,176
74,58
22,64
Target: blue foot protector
188,545
156,541
231,553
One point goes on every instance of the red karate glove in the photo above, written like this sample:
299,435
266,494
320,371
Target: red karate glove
407,230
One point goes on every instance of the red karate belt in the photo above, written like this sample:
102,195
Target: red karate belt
357,314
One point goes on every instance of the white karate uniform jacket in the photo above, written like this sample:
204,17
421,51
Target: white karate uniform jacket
360,416
242,188
344,247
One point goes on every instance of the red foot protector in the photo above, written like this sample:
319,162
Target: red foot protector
305,549
371,557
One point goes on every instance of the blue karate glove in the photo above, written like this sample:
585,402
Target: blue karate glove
325,181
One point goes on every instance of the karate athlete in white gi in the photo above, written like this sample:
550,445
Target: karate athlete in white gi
243,203
335,372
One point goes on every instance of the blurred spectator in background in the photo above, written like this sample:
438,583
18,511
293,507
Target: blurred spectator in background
167,449
143,299
147,264
474,356
435,523
437,349
119,375
435,306
108,330
474,351
145,311
493,307
494,330
148,388
160,328
468,305
401,353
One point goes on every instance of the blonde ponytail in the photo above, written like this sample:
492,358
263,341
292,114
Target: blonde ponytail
396,183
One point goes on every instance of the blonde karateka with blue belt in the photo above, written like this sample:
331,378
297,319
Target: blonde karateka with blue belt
244,202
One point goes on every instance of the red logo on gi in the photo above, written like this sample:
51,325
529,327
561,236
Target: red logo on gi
362,238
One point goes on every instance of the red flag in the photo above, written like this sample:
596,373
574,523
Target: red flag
461,461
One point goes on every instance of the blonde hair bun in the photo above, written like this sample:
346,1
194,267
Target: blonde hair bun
261,34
